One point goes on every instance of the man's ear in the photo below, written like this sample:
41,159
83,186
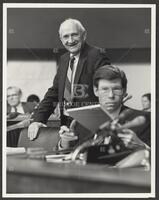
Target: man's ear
95,89
60,37
125,94
84,35
61,40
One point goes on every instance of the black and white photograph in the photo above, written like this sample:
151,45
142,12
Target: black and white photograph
79,107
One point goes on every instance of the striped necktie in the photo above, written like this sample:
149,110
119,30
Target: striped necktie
68,83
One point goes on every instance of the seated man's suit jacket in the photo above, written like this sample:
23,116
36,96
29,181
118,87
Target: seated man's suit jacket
90,59
28,107
13,136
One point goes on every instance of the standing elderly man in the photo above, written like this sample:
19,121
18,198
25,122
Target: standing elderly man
73,83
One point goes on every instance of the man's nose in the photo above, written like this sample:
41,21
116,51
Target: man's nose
110,93
10,97
70,39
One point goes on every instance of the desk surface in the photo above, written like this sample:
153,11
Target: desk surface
52,121
26,175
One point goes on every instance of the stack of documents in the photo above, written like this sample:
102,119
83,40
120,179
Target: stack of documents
59,158
15,150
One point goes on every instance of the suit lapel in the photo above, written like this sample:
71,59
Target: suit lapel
64,66
82,60
8,109
79,69
24,107
63,75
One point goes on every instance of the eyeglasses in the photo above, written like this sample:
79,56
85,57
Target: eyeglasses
12,95
73,36
115,91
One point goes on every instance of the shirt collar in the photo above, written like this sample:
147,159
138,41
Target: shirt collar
19,105
76,56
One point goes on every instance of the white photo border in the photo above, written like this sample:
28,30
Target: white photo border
153,87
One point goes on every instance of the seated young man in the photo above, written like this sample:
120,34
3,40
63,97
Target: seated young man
110,86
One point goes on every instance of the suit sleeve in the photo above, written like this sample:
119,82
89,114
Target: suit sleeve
101,59
145,134
48,104
144,131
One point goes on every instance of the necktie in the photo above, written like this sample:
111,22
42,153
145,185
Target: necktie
69,83
72,62
14,109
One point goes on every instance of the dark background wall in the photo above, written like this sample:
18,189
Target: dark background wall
106,27
32,37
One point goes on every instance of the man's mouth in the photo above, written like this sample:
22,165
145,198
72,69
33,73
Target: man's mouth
72,45
110,103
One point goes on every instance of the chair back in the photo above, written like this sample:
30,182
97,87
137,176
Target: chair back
47,138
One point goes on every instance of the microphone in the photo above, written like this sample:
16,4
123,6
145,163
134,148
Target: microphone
100,134
128,97
138,121
122,117
110,126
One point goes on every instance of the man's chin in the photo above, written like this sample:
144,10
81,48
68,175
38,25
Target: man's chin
109,108
74,51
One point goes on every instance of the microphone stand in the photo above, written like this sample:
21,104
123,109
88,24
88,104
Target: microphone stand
109,128
93,141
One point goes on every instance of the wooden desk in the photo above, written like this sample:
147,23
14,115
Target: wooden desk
26,175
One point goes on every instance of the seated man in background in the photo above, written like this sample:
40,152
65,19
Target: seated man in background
146,102
110,86
34,99
14,108
14,104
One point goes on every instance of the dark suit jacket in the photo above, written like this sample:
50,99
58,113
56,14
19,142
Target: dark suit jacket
142,131
28,107
13,136
90,59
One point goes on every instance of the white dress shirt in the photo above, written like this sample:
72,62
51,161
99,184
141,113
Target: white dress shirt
19,108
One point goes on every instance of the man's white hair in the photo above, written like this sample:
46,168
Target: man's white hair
74,21
18,90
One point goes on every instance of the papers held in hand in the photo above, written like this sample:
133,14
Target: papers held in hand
91,117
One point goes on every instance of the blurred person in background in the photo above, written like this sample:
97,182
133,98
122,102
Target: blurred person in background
146,102
15,108
34,99
14,103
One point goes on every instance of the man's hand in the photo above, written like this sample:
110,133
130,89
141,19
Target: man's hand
67,136
33,129
130,139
